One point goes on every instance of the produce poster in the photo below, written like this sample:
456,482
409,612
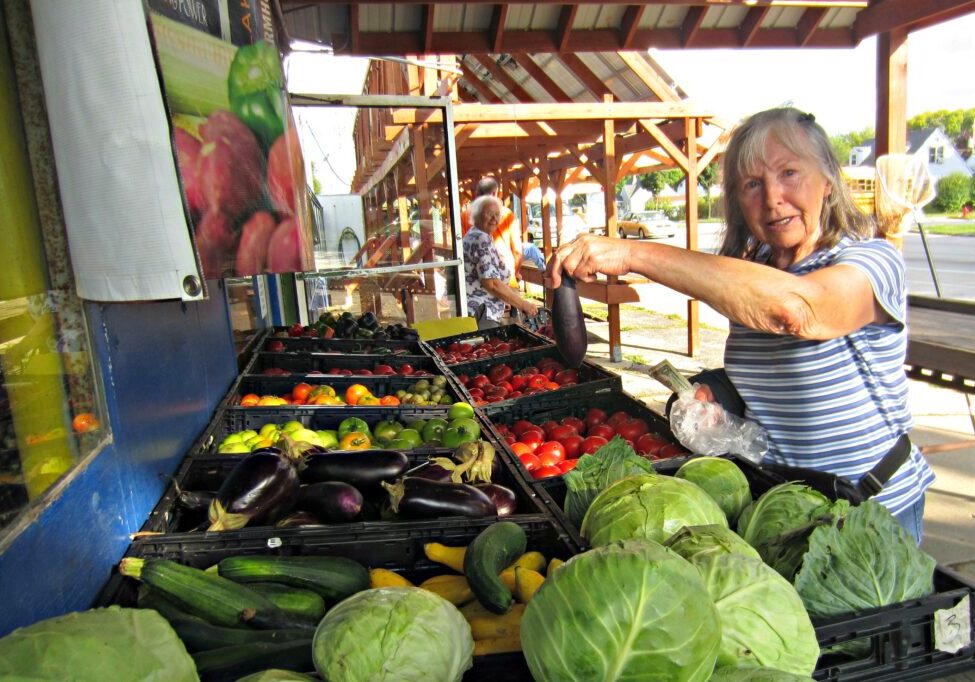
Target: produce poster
240,163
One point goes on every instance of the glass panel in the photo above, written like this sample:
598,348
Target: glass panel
248,318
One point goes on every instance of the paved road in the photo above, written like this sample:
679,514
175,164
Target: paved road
954,261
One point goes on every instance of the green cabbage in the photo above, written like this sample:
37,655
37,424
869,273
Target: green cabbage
693,541
594,473
763,621
722,480
97,645
779,522
275,675
755,675
630,610
405,634
648,506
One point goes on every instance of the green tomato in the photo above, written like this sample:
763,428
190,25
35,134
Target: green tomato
351,424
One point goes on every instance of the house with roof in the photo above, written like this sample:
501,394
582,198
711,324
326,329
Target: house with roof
931,144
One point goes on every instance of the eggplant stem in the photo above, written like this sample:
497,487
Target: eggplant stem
396,492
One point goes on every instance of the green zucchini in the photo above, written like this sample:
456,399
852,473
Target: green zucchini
198,635
493,550
153,599
295,600
334,578
215,599
233,662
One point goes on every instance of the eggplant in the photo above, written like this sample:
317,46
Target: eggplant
262,486
430,471
568,323
420,498
330,501
505,500
298,518
362,469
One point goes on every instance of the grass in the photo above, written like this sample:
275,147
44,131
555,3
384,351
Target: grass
636,359
953,229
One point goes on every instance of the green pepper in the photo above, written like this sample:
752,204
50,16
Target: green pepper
256,89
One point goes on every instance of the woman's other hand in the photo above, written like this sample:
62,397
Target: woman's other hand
528,308
586,256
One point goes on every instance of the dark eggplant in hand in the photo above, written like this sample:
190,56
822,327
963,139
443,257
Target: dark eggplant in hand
505,500
330,501
262,486
568,323
421,498
362,469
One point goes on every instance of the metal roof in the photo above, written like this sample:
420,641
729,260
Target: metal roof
370,28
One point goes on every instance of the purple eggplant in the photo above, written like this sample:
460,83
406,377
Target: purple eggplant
261,487
363,469
568,323
430,471
330,501
420,498
298,518
505,500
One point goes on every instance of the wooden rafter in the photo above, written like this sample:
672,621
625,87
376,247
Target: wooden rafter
543,79
496,30
429,12
580,111
487,61
692,25
564,30
649,76
887,15
482,88
665,142
808,23
751,24
585,76
630,24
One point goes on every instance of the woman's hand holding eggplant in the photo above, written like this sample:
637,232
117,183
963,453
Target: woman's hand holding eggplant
586,256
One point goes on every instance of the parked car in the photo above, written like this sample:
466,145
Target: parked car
572,224
646,224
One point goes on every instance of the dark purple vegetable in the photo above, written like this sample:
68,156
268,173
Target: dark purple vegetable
262,486
330,501
420,498
568,323
298,518
195,500
430,471
363,469
505,500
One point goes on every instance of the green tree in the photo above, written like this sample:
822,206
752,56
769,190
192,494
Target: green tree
954,190
707,179
843,144
673,178
953,123
653,183
316,184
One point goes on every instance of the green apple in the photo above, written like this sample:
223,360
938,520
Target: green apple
460,410
433,431
461,430
329,438
386,430
440,381
290,426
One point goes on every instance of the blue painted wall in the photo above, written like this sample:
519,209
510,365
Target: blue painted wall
165,366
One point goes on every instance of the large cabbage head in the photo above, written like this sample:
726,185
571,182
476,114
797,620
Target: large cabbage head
630,610
756,675
648,506
722,480
763,620
692,541
393,633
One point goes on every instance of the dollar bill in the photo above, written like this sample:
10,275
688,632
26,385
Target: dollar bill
667,374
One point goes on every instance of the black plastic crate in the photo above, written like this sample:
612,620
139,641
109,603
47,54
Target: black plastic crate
399,548
262,384
506,333
592,379
206,474
326,363
309,344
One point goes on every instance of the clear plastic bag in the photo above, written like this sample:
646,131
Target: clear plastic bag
706,428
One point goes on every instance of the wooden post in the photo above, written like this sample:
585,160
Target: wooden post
609,170
891,135
690,210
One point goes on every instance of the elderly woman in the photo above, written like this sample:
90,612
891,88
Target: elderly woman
488,292
817,309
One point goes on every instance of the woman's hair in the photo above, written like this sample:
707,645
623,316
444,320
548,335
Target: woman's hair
478,206
800,134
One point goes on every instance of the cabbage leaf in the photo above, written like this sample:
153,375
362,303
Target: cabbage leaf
594,473
755,675
693,541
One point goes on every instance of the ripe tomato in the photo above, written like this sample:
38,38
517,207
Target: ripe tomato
604,430
520,426
561,431
575,423
84,422
649,444
520,449
546,472
354,393
594,416
618,418
632,429
568,465
389,400
532,438
573,446
547,427
555,448
671,450
246,401
538,381
529,461
593,443
301,391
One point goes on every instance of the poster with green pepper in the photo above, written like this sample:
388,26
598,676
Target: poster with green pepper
240,162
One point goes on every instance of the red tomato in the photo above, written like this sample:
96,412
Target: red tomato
520,426
618,418
568,465
604,430
529,461
671,450
649,444
566,376
560,432
632,429
476,393
593,443
576,423
546,472
538,381
518,382
510,438
554,447
515,394
502,429
478,381
594,416
573,446
547,427
532,438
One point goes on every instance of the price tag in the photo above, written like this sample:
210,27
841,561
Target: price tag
953,627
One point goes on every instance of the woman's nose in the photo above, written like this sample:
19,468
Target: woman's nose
773,193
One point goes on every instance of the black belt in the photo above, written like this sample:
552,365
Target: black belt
874,480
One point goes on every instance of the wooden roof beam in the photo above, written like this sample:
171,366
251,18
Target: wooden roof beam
691,25
808,23
535,71
751,24
584,75
429,10
498,19
676,154
650,77
580,111
487,61
886,15
630,24
564,29
482,88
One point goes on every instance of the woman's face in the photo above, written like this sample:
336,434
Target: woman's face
782,201
488,220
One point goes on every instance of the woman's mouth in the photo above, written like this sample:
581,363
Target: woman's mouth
780,223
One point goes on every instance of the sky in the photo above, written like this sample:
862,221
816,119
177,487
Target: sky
838,86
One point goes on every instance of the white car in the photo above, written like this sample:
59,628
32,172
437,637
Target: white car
572,224
646,224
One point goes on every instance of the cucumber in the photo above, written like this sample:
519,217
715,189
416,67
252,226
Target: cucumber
334,578
198,635
211,597
493,550
295,600
233,662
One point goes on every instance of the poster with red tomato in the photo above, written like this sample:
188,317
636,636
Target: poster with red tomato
240,163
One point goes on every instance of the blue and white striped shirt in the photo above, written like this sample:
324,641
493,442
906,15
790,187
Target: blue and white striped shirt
837,405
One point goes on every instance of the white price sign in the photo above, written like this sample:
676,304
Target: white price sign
953,627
